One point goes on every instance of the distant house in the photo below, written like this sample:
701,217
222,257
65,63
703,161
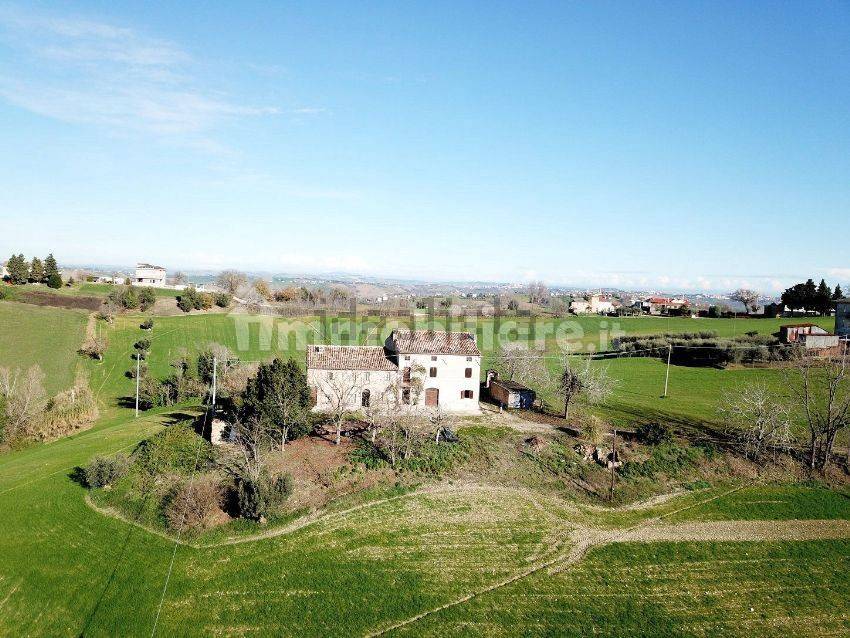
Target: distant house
509,393
149,275
593,305
842,318
425,368
662,305
793,332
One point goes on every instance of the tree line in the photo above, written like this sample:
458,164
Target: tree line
36,271
812,298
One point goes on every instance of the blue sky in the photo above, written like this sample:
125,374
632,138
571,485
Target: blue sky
671,145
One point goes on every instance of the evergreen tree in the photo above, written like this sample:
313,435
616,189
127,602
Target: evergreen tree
838,294
50,267
36,270
823,298
279,398
810,294
18,270
54,280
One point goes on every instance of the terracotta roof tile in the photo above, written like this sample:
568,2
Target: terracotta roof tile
349,358
435,342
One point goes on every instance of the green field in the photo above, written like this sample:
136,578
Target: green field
458,558
45,336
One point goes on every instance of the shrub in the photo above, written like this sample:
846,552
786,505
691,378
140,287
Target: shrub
222,300
147,324
68,411
194,505
205,301
142,345
147,298
594,430
54,280
102,471
258,498
178,448
655,433
124,297
3,293
94,346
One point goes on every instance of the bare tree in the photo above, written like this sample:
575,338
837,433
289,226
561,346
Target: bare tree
822,390
538,293
516,362
750,298
231,281
180,278
262,287
583,381
94,346
250,438
23,399
339,390
757,418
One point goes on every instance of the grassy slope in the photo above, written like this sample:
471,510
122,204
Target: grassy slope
65,570
49,337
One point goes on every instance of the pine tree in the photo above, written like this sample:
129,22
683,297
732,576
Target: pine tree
18,270
838,294
823,298
50,267
36,270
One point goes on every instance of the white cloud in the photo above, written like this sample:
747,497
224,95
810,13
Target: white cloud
88,72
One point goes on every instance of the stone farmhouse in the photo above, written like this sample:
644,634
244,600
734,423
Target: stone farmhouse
416,368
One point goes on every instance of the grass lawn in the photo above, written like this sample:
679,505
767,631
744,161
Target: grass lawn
45,336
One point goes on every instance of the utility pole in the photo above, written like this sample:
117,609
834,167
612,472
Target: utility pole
215,365
667,377
613,463
138,358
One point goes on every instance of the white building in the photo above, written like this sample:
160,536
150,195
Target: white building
149,275
594,305
420,368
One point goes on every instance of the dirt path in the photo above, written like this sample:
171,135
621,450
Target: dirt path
791,530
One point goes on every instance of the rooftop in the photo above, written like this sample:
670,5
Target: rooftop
149,266
509,385
349,358
435,342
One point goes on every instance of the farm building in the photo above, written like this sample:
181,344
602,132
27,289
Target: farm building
149,275
818,341
792,332
842,317
509,394
661,305
595,304
431,369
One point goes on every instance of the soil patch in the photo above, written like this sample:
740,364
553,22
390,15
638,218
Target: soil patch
39,298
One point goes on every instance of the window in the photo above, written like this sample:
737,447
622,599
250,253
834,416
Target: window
407,357
466,394
469,358
364,398
468,373
330,376
405,376
366,376
433,358
405,396
314,396
433,372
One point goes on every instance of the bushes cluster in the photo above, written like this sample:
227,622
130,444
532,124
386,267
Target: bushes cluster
191,299
706,349
147,324
655,433
102,470
222,299
193,505
256,498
